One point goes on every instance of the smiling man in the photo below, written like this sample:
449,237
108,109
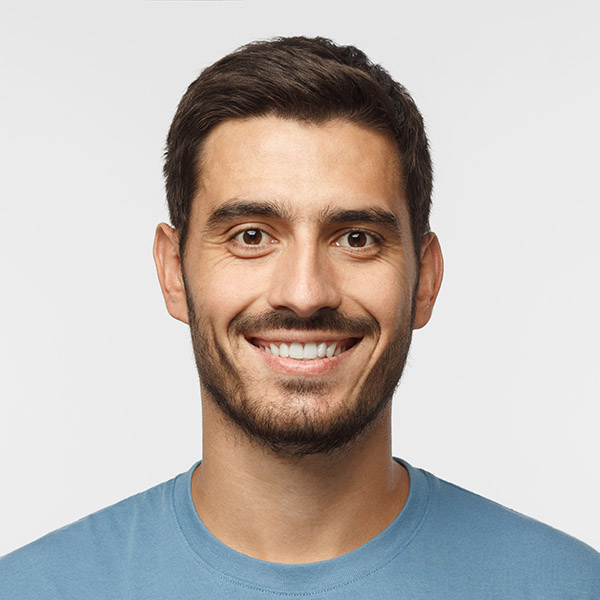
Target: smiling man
299,281
299,183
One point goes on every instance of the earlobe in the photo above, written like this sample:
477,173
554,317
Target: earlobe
169,271
430,279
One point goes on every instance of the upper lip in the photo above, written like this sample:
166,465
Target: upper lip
302,337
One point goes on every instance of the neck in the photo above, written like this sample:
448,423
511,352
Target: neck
296,510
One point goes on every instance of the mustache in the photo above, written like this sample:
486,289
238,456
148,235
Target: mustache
323,320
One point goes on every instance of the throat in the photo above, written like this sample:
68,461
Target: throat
299,511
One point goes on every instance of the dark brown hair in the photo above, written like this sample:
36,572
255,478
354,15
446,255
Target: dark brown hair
309,79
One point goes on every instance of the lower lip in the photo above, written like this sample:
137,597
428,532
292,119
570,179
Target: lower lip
293,366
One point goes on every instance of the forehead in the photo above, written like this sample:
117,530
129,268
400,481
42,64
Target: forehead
305,166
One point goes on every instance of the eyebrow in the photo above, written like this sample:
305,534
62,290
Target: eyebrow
373,215
234,209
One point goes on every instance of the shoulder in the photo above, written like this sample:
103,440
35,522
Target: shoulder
495,537
82,551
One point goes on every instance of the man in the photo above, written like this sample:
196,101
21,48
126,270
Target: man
299,183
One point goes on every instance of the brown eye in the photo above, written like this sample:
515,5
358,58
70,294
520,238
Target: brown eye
355,239
252,236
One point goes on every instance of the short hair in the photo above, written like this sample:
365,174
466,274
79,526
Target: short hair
307,79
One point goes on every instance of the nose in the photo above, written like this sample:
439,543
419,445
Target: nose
304,281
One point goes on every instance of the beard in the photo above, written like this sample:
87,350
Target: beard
286,426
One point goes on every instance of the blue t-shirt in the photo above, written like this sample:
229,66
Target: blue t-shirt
447,543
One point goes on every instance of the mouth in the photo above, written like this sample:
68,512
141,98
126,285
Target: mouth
317,349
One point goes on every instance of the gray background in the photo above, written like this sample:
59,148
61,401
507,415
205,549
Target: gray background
98,391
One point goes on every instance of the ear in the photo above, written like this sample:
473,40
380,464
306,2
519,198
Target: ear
430,279
168,268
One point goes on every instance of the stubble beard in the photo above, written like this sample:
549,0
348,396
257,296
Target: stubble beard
286,426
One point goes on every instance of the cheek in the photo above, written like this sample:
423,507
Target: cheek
222,293
389,305
386,295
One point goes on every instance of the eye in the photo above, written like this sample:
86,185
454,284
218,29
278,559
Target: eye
356,239
252,237
251,242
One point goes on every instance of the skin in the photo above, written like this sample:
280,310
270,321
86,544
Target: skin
261,502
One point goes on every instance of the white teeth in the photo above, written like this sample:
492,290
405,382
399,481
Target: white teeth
308,351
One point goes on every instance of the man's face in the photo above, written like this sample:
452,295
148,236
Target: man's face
300,279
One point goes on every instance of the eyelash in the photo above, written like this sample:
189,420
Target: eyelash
250,247
376,240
